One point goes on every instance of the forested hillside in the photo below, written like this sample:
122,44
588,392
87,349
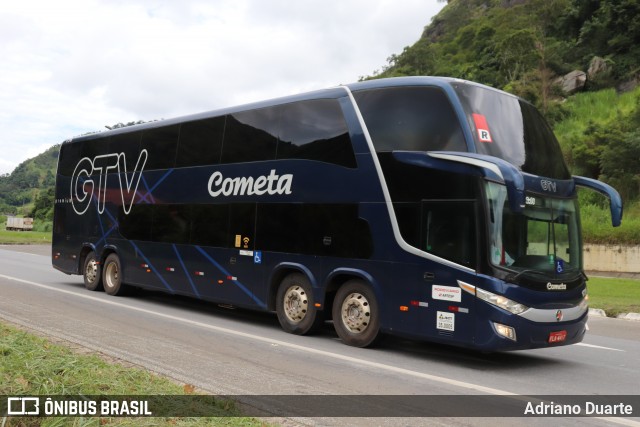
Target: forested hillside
28,190
522,45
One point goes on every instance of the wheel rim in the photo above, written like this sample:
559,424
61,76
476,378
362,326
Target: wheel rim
91,272
296,304
111,275
356,313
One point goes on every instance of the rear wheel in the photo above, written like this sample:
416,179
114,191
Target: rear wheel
356,317
92,273
295,305
112,276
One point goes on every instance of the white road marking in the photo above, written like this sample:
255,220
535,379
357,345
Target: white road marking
358,361
597,346
5,248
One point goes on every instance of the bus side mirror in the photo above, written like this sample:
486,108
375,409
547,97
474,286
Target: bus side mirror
615,201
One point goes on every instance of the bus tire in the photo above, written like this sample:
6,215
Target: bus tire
295,307
112,276
91,272
356,317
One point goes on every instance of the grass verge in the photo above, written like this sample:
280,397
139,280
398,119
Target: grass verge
593,108
596,225
614,296
24,237
31,366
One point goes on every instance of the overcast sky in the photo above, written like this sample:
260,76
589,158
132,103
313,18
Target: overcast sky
70,67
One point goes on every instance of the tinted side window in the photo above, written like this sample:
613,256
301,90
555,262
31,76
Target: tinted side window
448,230
158,223
408,217
410,118
278,227
200,142
171,223
129,144
70,155
251,136
335,230
210,225
437,218
315,130
137,224
314,229
161,144
94,147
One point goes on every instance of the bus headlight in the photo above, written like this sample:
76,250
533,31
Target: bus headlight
584,304
500,301
497,300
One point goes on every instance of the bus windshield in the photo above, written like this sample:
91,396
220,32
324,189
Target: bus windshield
542,242
513,130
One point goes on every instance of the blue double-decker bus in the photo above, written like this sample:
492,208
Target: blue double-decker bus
432,208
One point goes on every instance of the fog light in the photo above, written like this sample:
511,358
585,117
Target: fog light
505,331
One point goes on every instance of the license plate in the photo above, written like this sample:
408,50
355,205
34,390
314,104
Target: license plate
555,337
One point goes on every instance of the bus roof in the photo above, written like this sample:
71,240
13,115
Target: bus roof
334,92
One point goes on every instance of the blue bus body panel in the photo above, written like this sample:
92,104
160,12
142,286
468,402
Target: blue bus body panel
418,293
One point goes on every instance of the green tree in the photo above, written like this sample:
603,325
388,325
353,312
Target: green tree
43,206
620,164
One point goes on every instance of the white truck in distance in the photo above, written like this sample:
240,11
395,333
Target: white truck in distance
19,224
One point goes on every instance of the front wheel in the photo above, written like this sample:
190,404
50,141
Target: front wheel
356,317
295,306
112,276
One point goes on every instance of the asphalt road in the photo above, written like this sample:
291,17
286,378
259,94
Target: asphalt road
237,352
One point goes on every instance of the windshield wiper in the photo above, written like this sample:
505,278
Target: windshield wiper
512,278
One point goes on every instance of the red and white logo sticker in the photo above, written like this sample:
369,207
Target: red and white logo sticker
482,127
446,293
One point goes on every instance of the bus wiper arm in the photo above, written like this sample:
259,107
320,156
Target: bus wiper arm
512,278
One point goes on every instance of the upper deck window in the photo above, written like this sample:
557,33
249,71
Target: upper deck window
412,118
310,129
251,136
315,130
200,142
513,130
161,144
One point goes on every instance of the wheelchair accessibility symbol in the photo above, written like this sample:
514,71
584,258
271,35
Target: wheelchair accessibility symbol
257,257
